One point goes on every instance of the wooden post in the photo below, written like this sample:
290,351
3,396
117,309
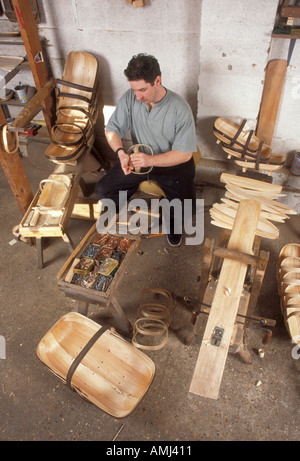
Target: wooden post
35,55
212,356
11,163
22,120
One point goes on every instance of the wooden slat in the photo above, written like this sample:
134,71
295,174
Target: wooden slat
250,183
270,204
227,214
211,361
273,86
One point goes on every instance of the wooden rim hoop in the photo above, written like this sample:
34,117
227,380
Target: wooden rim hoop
135,148
153,319
150,327
5,142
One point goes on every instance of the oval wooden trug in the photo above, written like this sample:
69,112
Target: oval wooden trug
113,375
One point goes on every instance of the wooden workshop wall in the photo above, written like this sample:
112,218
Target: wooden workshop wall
212,52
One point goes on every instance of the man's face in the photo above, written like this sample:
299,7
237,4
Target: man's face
145,92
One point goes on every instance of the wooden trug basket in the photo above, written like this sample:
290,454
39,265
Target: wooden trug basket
113,374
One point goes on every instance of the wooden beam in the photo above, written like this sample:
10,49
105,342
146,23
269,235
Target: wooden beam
35,55
211,360
15,173
11,163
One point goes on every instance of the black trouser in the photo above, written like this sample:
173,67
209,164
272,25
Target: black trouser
177,182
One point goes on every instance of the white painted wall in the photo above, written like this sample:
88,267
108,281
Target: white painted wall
236,46
212,52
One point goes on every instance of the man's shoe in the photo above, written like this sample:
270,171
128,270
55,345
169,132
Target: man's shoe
174,240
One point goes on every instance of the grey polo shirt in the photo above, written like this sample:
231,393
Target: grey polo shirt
168,126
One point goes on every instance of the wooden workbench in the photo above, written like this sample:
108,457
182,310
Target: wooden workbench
228,299
59,229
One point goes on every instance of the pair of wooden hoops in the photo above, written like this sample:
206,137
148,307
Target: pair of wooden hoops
5,141
150,327
154,320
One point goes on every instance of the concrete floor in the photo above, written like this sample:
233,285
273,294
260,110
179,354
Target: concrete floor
37,406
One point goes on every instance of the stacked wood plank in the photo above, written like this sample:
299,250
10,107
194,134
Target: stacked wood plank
246,148
288,277
77,103
240,188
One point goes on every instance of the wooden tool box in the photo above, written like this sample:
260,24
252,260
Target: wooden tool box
79,287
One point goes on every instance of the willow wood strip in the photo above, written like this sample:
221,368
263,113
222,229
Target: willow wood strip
256,194
272,216
272,204
264,207
265,228
211,360
249,183
227,224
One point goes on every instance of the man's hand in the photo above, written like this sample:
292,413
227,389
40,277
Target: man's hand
125,162
141,160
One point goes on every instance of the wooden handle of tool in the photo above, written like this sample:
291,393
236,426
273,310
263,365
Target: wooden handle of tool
136,149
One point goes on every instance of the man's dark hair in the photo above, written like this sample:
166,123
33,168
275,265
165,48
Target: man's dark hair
143,67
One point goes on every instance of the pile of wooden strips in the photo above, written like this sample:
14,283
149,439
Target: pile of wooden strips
240,188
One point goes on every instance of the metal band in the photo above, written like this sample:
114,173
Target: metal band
83,352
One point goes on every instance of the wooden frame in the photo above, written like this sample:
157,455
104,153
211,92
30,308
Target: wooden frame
11,163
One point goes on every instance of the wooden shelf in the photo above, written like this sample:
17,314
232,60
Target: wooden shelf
289,36
12,102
